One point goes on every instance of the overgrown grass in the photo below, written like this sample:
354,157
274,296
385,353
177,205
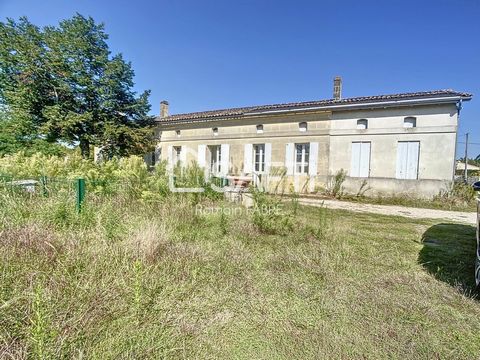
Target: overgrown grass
129,278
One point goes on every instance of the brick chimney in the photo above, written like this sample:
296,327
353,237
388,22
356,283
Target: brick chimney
337,88
163,108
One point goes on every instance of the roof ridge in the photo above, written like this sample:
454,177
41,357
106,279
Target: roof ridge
237,111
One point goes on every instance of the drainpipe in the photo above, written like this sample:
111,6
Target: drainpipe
458,105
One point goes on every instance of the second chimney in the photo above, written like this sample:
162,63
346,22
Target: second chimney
163,108
337,88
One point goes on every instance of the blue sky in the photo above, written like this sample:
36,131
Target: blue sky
208,54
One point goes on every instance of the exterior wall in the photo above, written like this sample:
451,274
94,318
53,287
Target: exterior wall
436,127
276,130
395,187
436,130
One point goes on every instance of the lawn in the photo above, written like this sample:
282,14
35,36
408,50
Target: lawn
129,279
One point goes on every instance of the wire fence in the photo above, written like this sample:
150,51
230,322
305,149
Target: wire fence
77,189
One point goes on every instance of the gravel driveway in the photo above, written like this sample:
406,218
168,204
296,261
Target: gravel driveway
415,213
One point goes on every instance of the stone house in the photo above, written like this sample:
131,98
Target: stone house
399,143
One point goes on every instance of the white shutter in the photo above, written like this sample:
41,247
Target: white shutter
402,156
355,165
268,157
183,156
364,168
412,160
201,155
248,159
313,159
225,161
289,158
170,156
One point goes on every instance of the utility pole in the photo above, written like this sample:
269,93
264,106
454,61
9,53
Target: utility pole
466,158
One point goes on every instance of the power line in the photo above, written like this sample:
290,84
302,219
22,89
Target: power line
469,143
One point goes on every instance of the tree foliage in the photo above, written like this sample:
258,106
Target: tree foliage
61,85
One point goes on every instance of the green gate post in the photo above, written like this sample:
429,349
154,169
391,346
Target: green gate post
80,193
43,180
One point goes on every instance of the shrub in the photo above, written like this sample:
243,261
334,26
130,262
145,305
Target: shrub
267,213
458,193
129,176
335,186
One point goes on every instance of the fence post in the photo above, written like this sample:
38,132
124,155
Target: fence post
43,180
80,193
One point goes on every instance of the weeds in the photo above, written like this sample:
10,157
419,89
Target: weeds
322,224
41,333
335,187
458,197
457,194
223,223
137,287
277,174
363,188
129,278
295,203
268,215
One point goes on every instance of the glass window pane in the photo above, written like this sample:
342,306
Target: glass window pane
299,155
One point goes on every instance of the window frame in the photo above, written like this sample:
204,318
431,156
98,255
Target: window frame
303,126
362,122
303,166
215,166
259,164
410,120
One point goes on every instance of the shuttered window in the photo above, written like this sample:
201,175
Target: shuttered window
407,159
360,165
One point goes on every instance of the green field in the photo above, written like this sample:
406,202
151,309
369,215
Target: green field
129,279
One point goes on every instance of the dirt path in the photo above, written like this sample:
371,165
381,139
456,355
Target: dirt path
456,216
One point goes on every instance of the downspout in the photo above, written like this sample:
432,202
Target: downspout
458,105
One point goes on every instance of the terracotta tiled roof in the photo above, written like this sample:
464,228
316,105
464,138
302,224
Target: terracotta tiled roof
237,112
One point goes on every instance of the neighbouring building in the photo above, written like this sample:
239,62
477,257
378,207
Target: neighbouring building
399,143
470,167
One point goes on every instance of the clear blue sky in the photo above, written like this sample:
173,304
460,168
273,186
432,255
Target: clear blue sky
208,54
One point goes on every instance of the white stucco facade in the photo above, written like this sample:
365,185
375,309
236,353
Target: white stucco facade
420,133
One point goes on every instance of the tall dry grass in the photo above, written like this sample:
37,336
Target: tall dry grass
130,278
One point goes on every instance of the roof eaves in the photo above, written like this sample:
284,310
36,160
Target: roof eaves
366,101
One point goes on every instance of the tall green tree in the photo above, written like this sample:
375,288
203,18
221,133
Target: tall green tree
60,84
